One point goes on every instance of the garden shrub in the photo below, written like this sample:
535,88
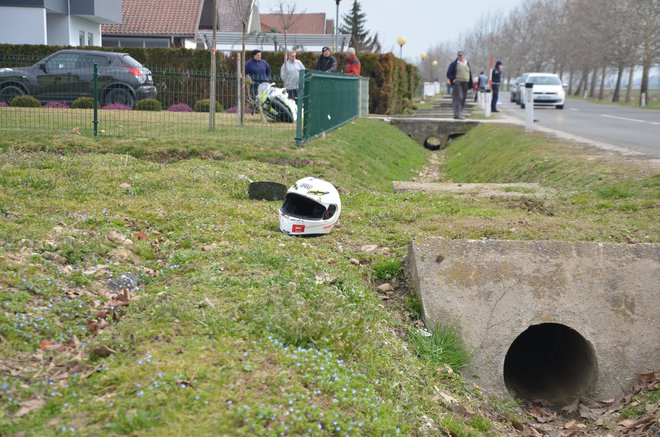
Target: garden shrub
148,105
3,104
180,107
83,103
25,102
204,105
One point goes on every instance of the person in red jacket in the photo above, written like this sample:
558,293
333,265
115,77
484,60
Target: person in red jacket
353,65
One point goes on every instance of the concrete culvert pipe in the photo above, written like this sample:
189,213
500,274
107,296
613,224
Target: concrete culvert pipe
550,362
433,143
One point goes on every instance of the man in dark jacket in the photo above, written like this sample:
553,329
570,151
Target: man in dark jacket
496,79
459,76
326,61
258,70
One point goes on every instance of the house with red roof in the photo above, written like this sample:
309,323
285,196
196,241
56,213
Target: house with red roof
189,24
173,23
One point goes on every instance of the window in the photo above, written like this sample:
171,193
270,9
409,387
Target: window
81,37
62,62
90,39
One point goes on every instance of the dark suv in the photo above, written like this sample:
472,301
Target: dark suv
67,75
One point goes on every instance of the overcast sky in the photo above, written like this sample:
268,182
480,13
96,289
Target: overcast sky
423,23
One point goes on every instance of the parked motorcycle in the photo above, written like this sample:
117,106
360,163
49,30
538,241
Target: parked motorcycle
276,104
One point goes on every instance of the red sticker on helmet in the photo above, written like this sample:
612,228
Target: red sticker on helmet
298,228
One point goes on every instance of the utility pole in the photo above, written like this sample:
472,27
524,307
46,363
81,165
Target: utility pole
213,68
337,26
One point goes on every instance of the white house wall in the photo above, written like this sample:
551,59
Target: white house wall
58,29
23,26
78,24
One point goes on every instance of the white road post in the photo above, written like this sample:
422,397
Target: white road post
488,96
529,106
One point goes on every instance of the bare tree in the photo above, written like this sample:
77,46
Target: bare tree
583,39
243,10
288,17
648,24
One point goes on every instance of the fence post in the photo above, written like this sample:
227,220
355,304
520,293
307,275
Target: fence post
301,102
95,81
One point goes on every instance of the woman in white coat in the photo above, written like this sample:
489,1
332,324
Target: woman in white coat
289,73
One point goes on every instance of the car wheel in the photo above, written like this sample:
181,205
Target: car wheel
119,96
559,106
9,92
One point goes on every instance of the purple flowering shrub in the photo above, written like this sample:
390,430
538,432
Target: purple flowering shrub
118,107
3,104
180,107
56,105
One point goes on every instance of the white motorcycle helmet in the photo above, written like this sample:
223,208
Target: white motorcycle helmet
311,207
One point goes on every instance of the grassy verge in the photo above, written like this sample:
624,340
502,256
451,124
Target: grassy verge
652,102
142,292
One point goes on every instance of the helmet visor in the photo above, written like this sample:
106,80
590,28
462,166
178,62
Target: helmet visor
302,207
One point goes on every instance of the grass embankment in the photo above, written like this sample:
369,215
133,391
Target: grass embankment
143,293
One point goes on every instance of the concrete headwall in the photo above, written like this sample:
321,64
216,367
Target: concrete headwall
494,291
421,129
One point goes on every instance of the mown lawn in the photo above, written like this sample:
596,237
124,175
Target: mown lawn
143,293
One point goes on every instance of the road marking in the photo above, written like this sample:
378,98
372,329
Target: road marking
623,118
573,109
654,123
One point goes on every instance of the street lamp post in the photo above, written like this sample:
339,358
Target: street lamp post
401,41
337,25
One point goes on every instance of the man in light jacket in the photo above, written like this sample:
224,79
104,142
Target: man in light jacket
289,73
459,76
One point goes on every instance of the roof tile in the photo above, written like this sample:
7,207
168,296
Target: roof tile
157,17
302,23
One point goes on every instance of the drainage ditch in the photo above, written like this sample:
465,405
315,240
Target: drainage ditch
550,362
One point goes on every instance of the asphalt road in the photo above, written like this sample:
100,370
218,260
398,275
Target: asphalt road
632,129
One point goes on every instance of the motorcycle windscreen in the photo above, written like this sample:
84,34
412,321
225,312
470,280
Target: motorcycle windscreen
302,207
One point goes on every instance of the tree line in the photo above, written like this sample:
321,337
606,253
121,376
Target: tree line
584,41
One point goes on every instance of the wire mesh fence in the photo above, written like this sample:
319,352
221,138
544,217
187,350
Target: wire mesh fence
58,94
329,100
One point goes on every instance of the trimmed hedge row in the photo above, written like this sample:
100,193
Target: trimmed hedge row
392,82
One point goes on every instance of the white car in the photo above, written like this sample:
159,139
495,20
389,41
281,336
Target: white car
548,90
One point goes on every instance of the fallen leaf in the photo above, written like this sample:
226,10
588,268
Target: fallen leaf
44,344
385,288
535,433
141,235
634,423
542,415
102,351
92,326
648,377
460,409
30,406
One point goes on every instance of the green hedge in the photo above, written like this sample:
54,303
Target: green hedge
392,82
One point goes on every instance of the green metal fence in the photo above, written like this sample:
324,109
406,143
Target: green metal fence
181,107
327,101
